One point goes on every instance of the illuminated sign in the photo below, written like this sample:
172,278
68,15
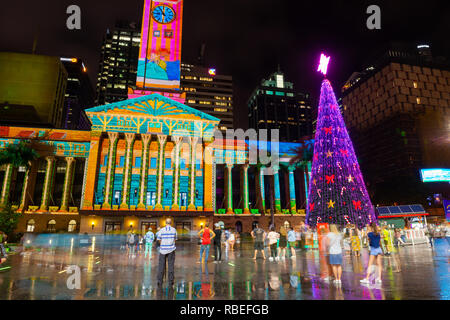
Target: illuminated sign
420,46
160,48
435,175
323,64
212,71
447,209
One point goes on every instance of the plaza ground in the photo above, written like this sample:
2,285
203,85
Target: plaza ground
107,272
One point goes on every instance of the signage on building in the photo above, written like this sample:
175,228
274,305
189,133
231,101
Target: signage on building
435,175
447,209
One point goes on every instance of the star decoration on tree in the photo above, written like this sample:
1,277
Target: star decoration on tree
330,204
329,154
350,178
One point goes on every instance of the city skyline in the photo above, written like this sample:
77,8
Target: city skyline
272,34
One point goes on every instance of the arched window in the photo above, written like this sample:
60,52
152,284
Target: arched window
72,226
238,226
30,225
51,226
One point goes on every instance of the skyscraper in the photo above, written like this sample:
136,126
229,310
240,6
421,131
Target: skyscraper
275,104
208,91
79,94
118,63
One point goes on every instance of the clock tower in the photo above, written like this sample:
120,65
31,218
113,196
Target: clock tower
160,50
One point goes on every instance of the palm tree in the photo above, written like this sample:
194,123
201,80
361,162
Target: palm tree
18,155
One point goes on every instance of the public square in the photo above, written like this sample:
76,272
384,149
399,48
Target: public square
107,273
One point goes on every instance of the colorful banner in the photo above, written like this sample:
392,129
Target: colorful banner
447,209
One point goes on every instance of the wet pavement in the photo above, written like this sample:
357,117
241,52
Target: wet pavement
107,272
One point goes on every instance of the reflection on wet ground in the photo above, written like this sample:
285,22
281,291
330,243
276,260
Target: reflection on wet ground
107,272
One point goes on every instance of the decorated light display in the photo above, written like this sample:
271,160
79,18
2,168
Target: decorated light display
337,193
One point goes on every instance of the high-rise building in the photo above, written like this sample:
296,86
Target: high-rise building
397,111
32,89
275,104
118,63
208,91
79,94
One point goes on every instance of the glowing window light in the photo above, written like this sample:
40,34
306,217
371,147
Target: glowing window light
323,64
212,71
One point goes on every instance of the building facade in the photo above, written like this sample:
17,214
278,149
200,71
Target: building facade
35,84
79,95
274,104
208,91
397,111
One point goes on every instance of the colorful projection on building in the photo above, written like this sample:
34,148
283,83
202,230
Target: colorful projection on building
435,175
160,49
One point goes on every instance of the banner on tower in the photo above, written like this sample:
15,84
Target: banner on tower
160,49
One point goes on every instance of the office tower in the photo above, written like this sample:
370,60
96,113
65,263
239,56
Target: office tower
31,89
397,111
118,63
275,104
79,94
208,91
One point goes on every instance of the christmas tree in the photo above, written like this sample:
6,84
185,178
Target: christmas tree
337,193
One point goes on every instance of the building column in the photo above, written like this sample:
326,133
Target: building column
6,185
110,169
260,189
192,173
48,182
176,176
146,139
208,167
293,202
161,146
129,139
28,184
245,196
68,182
91,171
229,187
276,182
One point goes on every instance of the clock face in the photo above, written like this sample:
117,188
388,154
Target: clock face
163,14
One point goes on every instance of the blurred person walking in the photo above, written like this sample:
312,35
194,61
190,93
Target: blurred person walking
132,240
258,235
334,239
148,239
231,239
375,253
292,239
356,241
166,237
273,240
282,244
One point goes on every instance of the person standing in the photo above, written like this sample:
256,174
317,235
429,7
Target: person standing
292,239
149,238
375,252
206,235
167,237
217,243
356,242
273,239
132,240
386,240
259,235
282,244
335,252
231,239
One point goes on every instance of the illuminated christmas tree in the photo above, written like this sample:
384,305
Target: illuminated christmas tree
337,193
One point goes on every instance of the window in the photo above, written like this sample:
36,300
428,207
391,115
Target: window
137,162
153,163
168,33
30,225
121,161
51,226
418,100
72,226
183,164
415,84
168,163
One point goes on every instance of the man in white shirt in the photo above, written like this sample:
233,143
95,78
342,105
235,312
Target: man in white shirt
167,237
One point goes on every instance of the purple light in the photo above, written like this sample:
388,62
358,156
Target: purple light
323,64
334,157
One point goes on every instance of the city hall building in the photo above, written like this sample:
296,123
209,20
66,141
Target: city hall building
150,157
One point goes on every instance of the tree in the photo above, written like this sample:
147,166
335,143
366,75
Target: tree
18,155
8,219
337,193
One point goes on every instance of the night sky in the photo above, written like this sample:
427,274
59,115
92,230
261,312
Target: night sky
245,38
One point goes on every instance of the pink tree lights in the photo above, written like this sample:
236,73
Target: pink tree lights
337,193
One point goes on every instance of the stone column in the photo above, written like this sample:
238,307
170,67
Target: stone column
276,182
293,202
68,182
229,187
245,196
260,189
161,146
176,175
192,173
110,169
129,139
28,185
6,185
91,171
48,182
146,139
